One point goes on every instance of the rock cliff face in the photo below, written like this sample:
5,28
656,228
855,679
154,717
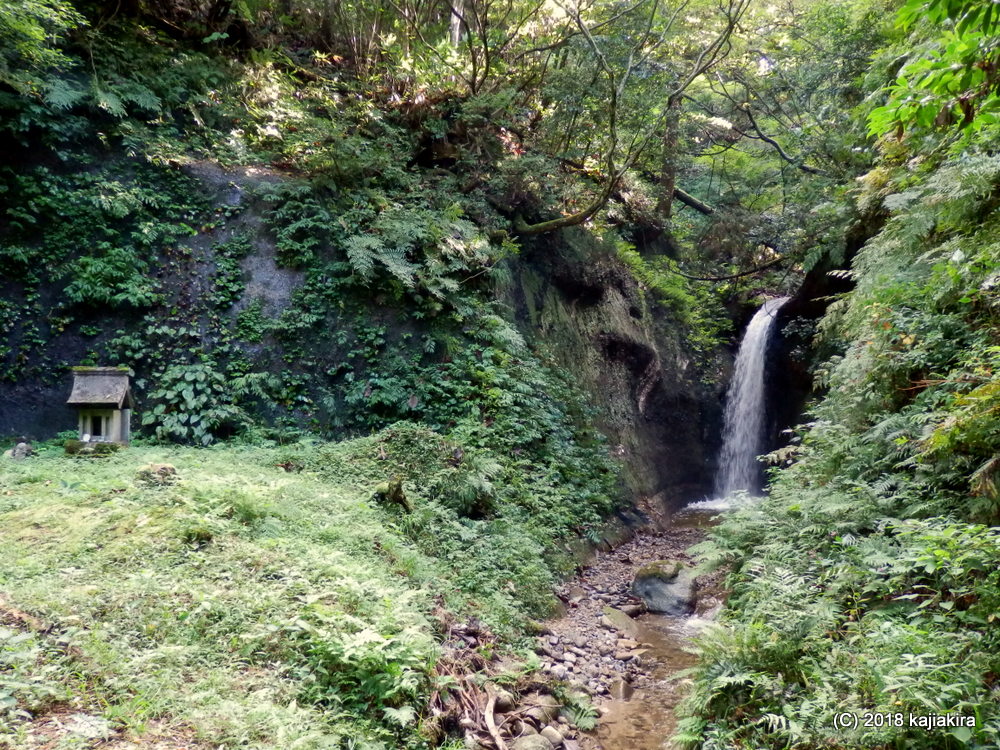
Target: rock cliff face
569,295
630,355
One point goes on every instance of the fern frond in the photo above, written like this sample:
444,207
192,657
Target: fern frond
362,252
63,94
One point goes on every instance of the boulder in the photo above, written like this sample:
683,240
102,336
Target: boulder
667,587
619,621
552,735
505,702
633,610
542,708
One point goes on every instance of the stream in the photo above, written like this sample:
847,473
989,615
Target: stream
606,643
629,662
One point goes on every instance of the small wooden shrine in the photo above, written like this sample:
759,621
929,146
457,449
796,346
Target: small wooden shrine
103,400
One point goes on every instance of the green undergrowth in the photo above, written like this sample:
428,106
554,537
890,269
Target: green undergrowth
867,583
154,187
265,596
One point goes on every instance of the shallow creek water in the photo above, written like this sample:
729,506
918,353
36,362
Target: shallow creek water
644,719
641,715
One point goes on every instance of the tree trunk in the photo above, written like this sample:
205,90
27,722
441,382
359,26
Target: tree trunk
668,172
455,24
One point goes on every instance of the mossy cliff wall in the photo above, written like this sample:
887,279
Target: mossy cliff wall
575,303
630,354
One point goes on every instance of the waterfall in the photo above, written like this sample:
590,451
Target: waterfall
742,434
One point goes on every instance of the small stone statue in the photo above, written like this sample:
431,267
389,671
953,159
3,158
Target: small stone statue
22,450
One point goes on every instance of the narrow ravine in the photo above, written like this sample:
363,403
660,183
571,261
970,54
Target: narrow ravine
627,657
631,615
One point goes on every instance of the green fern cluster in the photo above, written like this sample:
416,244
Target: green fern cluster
867,582
429,251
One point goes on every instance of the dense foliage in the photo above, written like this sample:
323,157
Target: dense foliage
301,218
866,583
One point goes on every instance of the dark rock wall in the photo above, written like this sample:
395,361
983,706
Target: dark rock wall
629,355
569,294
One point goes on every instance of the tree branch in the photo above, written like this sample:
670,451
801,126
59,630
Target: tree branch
777,146
752,271
689,200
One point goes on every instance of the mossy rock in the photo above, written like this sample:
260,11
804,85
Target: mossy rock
79,448
90,450
391,492
667,587
661,570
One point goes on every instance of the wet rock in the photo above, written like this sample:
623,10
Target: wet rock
531,742
552,735
667,587
633,610
621,690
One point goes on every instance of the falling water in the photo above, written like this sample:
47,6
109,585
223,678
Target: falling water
742,434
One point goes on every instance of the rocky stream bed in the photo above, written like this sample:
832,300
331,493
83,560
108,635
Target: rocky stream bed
608,644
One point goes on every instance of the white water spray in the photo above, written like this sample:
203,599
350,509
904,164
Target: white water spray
742,434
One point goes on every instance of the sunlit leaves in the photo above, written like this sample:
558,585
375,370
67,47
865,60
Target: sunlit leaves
29,32
950,83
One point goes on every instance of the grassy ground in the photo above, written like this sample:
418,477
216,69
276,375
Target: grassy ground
261,598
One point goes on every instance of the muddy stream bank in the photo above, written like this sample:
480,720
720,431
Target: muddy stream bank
623,655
